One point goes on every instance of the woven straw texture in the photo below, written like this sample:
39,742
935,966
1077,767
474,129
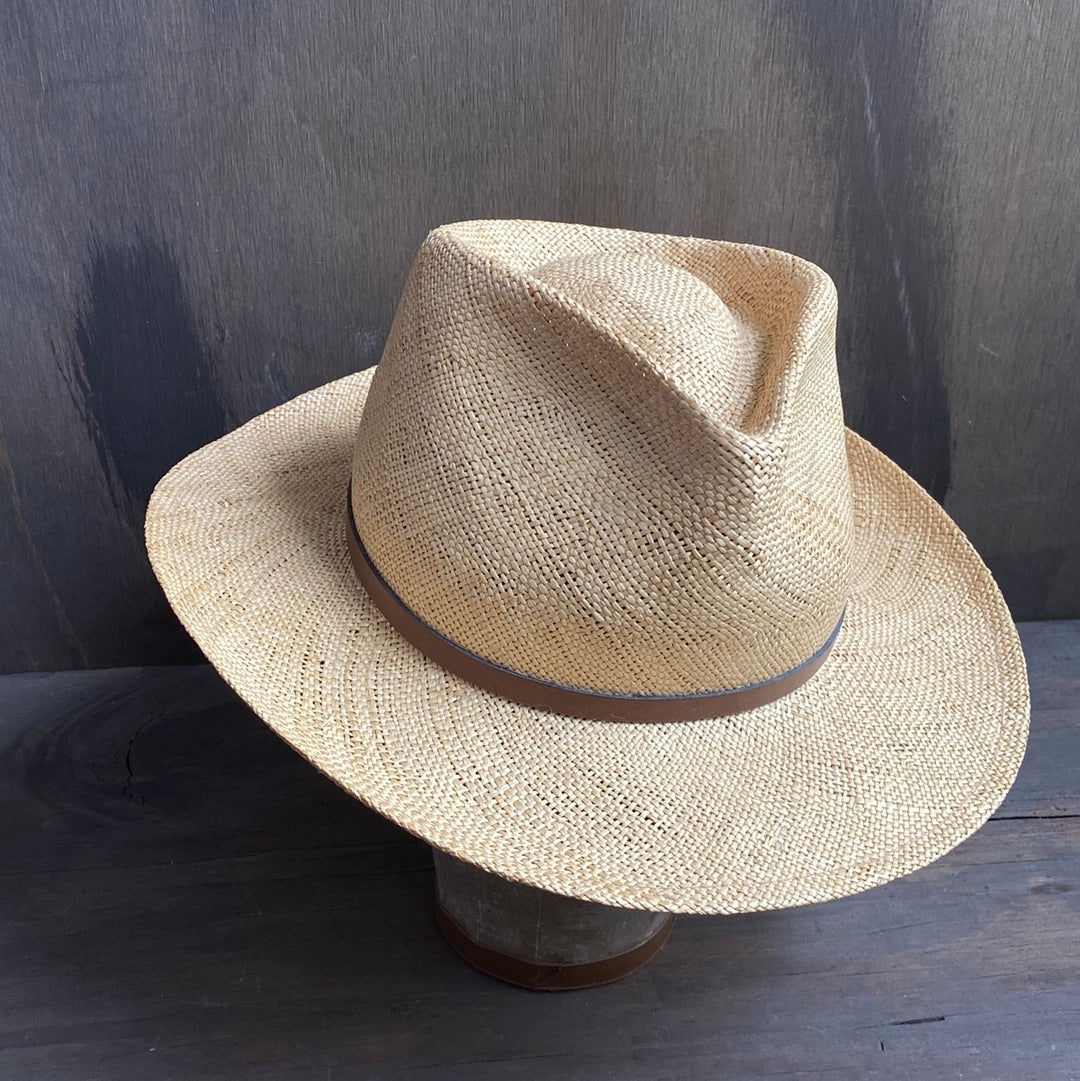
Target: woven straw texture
901,746
609,459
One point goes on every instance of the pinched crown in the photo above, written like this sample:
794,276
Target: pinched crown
611,460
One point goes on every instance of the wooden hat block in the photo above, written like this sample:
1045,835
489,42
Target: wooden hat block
537,939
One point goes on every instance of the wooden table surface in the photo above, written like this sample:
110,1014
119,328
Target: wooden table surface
181,896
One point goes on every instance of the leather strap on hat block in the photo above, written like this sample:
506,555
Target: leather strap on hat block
557,697
542,977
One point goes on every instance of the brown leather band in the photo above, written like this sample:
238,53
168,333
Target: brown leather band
541,977
557,697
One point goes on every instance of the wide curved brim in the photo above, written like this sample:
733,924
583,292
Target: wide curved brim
902,745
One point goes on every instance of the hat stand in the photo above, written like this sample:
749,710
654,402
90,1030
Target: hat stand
537,939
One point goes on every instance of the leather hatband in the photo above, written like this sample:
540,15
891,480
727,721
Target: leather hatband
556,697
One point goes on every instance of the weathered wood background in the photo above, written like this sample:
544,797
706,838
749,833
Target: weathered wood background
183,897
208,207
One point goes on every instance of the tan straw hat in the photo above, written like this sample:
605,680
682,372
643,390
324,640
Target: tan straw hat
587,584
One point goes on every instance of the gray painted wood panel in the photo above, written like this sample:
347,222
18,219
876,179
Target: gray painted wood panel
183,896
208,208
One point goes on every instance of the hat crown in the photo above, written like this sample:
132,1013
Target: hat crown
611,460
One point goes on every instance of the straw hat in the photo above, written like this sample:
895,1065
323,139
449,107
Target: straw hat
587,584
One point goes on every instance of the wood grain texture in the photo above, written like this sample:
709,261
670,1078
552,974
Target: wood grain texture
209,208
1049,778
182,896
533,925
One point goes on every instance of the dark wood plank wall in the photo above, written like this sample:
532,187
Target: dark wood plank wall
208,207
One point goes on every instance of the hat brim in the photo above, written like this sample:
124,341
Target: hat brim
902,745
